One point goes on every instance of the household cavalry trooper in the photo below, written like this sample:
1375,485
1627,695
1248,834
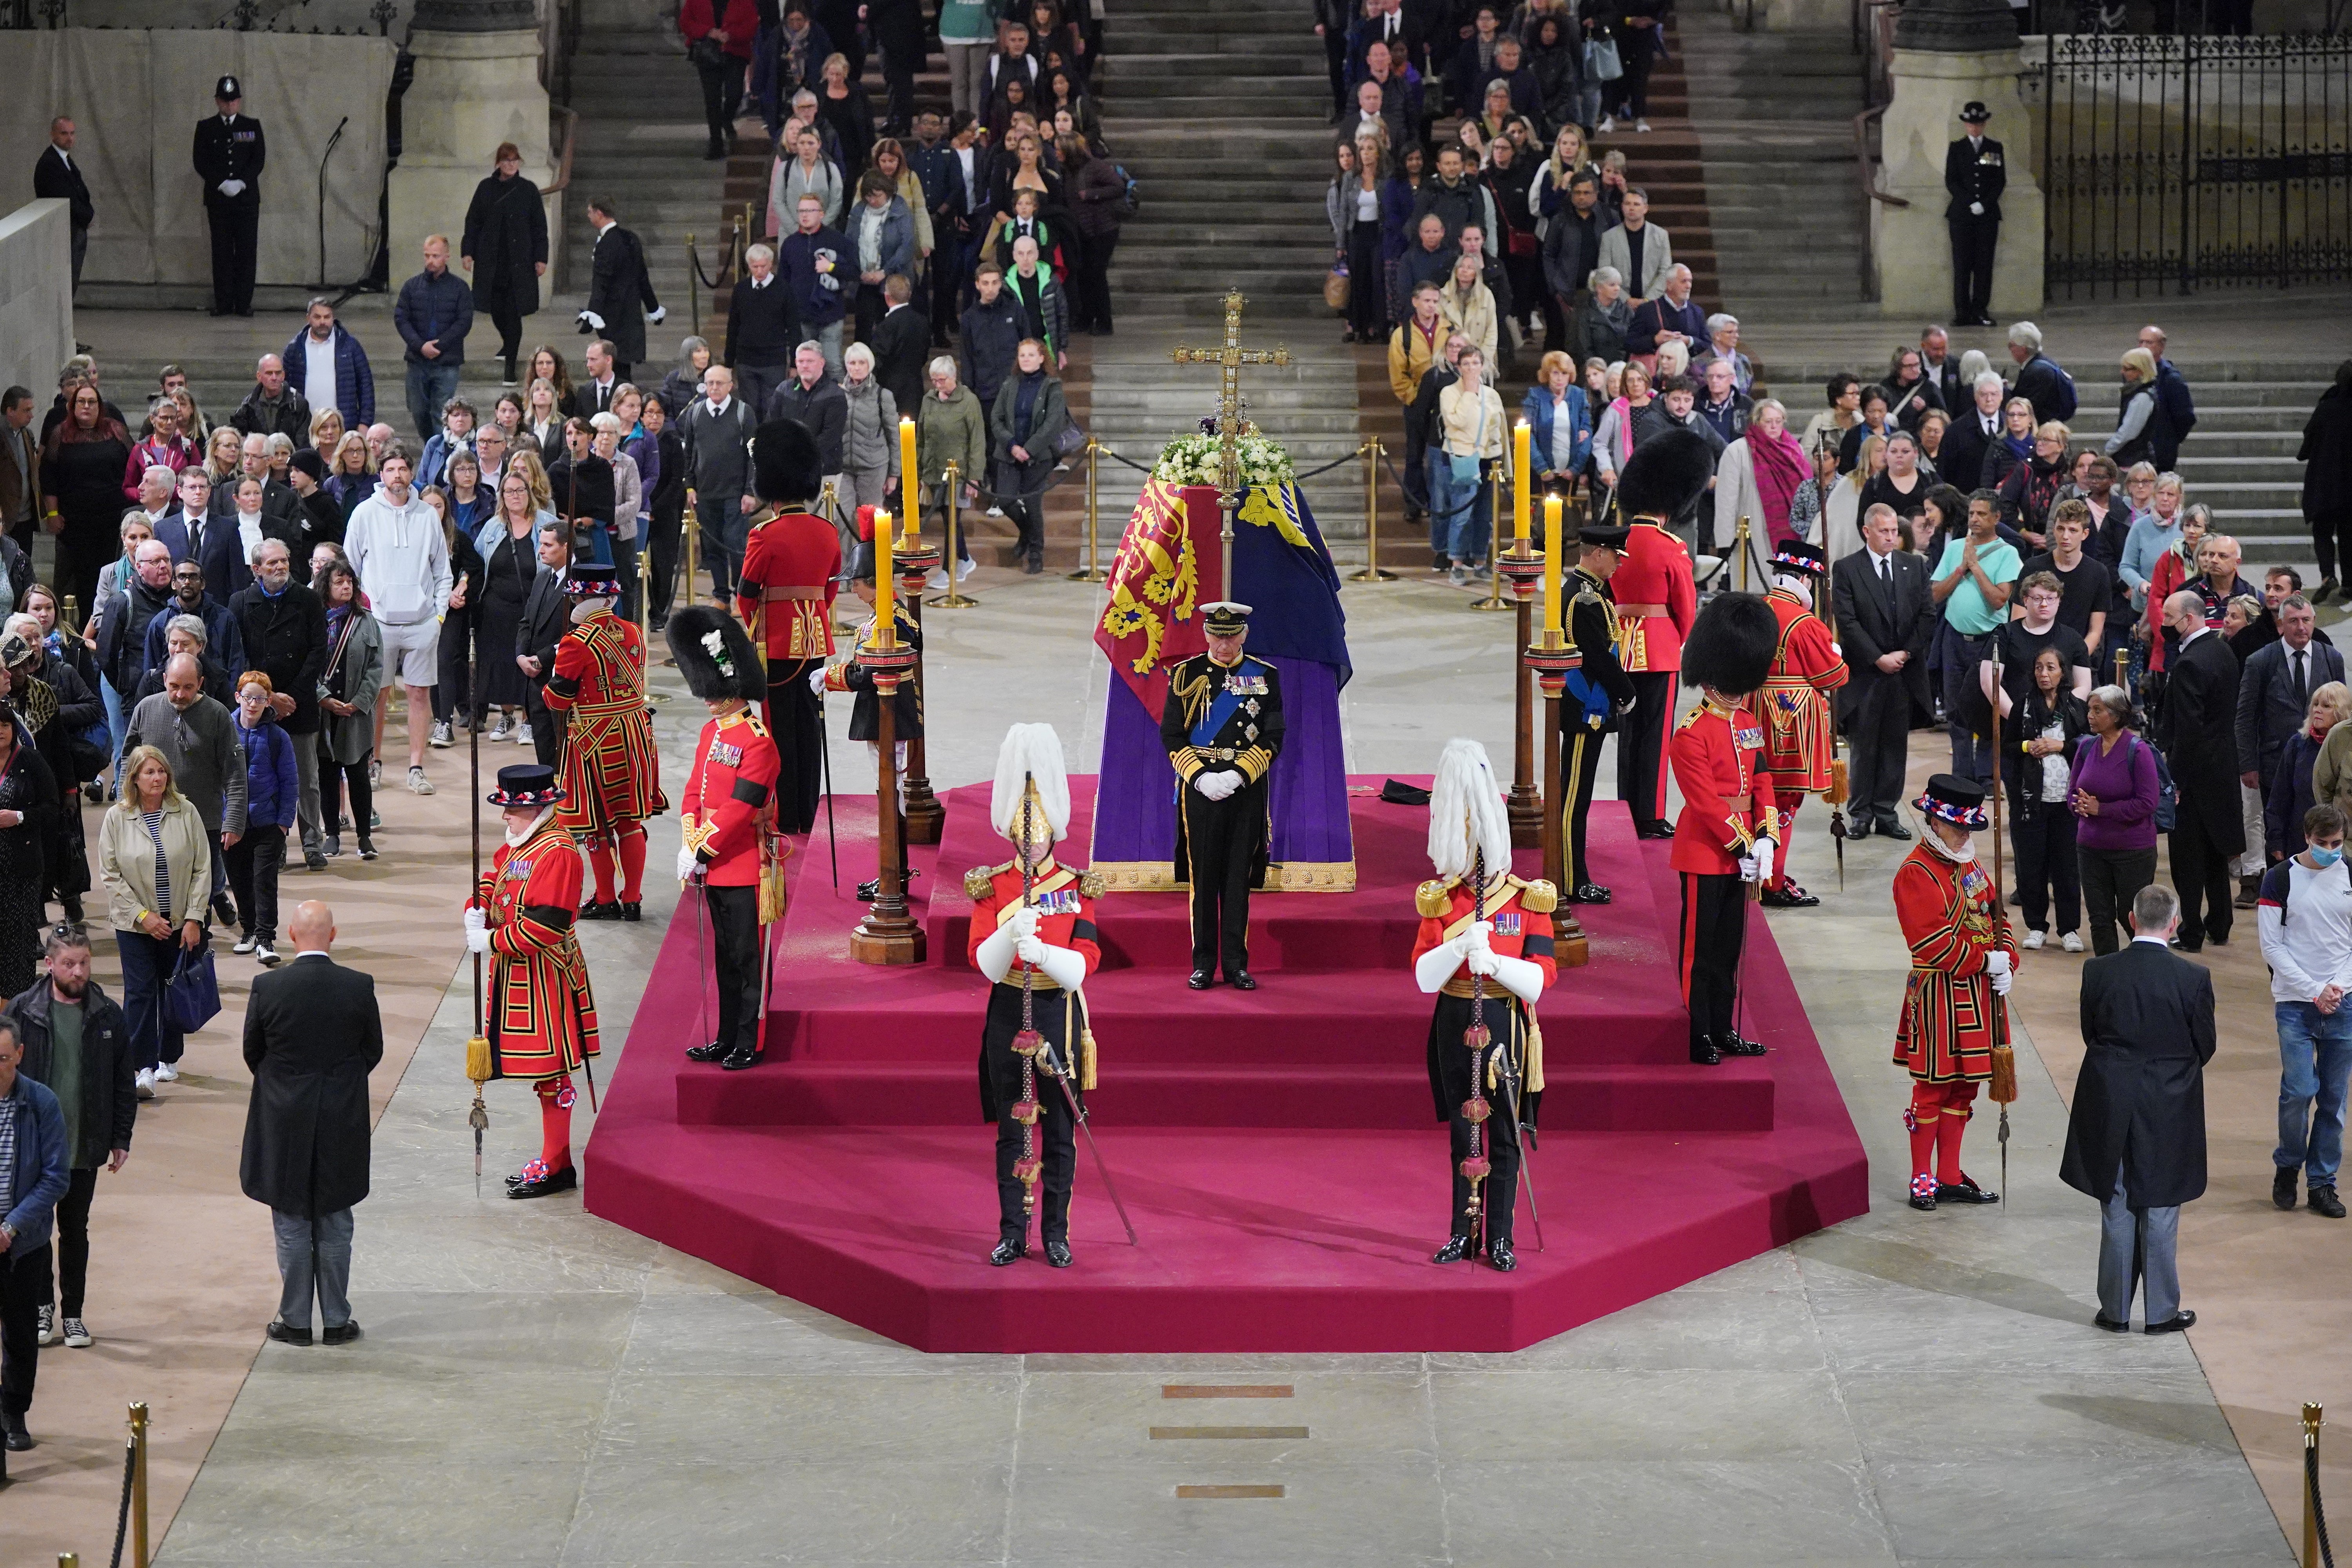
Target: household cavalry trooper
851,676
1963,958
1485,952
728,849
1033,935
1800,746
1726,836
1599,696
791,571
1656,606
612,772
1223,729
540,1016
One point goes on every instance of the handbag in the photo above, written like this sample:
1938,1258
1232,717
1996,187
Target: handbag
1336,287
1071,441
706,53
1465,469
192,996
1600,60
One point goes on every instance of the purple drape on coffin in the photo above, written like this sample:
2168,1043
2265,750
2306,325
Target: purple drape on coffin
1135,804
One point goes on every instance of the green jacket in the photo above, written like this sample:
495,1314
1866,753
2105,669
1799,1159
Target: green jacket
951,428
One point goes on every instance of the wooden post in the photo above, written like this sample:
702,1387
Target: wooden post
1526,808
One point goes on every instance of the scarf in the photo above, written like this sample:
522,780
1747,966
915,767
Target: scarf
2022,445
1781,467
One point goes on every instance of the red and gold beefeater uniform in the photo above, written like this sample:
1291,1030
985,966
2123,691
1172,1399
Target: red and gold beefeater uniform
1799,745
1521,914
1718,764
1065,897
1951,1020
792,570
612,772
1656,603
727,818
540,1015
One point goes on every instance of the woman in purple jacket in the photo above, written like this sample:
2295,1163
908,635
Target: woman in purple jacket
2114,787
272,792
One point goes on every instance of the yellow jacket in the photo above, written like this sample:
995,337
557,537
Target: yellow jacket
1409,356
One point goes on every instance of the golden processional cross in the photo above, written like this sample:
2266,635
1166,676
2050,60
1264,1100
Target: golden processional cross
1229,360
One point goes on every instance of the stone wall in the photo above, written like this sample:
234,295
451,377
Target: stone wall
37,330
136,98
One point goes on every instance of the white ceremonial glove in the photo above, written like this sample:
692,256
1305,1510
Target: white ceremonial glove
478,919
231,188
1749,870
593,318
2002,982
1216,786
689,865
1998,965
1024,922
816,680
1029,950
477,940
1767,852
1479,937
1976,209
657,313
1234,783
1482,961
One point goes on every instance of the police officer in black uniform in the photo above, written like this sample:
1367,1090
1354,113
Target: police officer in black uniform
1598,694
229,153
1223,728
1975,175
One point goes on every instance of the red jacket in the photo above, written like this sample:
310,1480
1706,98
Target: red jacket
731,798
696,18
1065,897
1797,744
1951,1020
789,568
1521,913
1717,756
542,1016
1655,572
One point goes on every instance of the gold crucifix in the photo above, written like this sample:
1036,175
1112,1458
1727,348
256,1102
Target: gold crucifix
1229,360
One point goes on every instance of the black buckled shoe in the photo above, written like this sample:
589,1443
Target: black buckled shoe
1500,1254
1201,979
741,1056
543,1183
1923,1194
2282,1187
1702,1052
1057,1253
633,913
1242,979
1589,893
871,889
1455,1249
592,911
1789,896
2324,1201
715,1051
1657,830
1964,1191
1011,1248
1737,1044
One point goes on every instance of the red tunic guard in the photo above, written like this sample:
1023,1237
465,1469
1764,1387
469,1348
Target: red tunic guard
1951,1019
542,1018
1656,606
792,569
612,770
1717,756
729,799
1800,746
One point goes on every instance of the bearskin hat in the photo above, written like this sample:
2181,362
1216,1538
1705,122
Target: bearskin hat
1666,475
786,465
714,653
1732,644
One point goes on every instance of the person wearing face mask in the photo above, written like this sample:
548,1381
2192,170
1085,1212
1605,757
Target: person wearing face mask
1963,958
2306,935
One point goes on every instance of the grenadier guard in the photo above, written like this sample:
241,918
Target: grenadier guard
1800,746
1728,831
1485,951
728,847
1223,729
1033,935
541,1016
792,567
1656,607
849,675
612,770
1963,957
1598,698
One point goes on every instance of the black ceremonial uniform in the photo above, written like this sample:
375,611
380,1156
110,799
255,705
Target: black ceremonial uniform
1974,174
230,147
906,703
1598,691
1221,718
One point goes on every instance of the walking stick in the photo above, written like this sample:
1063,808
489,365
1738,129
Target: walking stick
1835,795
824,755
2003,1088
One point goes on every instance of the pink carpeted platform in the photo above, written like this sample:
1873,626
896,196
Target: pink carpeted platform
1278,1150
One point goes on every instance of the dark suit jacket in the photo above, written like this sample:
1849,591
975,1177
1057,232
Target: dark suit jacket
2269,711
2199,718
312,1034
1871,623
226,570
900,342
1961,463
544,621
2139,1103
54,175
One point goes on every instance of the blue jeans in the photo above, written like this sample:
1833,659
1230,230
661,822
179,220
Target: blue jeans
2315,1058
116,723
146,966
1457,530
430,387
1965,706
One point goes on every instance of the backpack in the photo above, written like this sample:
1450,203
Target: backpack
2167,795
2068,402
2278,883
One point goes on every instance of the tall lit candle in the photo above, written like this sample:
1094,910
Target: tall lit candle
886,583
1522,448
1551,563
907,474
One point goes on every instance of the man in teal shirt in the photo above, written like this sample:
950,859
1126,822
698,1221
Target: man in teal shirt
1972,582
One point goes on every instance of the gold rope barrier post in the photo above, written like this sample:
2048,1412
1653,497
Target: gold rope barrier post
1372,572
691,525
1495,598
138,1485
1093,572
1743,552
952,478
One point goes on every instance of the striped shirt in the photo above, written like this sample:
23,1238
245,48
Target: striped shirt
154,821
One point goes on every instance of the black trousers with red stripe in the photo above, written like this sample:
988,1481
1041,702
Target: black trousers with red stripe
1715,926
1642,748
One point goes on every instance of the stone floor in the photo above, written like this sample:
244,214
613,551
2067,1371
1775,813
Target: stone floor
536,1386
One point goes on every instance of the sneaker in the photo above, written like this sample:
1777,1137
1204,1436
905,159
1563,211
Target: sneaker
145,1082
45,1326
2071,943
376,773
77,1334
1458,574
375,818
1608,123
417,783
996,511
245,943
267,951
167,1072
315,859
1642,126
438,737
2034,940
499,731
522,735
367,848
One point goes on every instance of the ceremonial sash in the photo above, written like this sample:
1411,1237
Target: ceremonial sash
1223,707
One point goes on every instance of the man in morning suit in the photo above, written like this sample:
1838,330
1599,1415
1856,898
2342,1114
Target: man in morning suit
229,153
1975,177
1223,729
2136,1134
313,1034
546,617
621,298
1600,696
55,174
2199,720
1885,613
